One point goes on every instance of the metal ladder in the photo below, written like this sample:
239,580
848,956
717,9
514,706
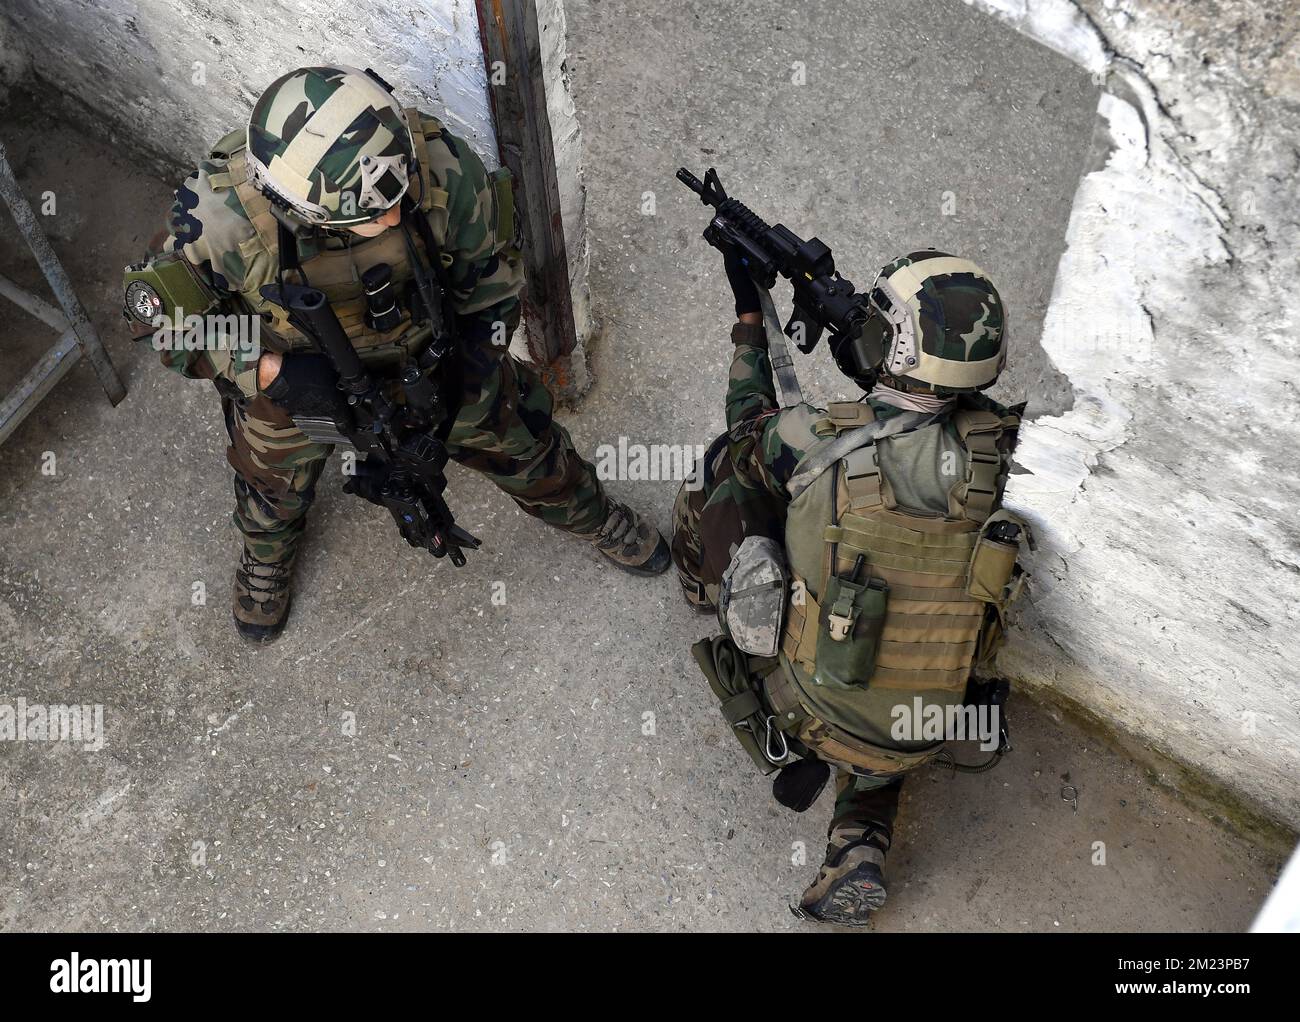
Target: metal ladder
77,337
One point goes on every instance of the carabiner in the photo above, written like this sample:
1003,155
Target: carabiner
767,744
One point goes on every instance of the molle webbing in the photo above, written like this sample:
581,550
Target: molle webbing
828,741
979,432
932,623
930,631
423,129
263,246
337,271
799,641
827,453
933,626
257,207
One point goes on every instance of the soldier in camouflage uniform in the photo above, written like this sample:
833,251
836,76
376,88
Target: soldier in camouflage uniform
332,162
956,318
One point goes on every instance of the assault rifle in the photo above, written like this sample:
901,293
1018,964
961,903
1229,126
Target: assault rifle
404,444
823,300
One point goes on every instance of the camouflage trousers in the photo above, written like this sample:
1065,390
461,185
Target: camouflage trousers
868,802
712,518
504,430
685,545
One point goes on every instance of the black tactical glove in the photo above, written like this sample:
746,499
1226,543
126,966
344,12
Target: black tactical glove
742,284
307,385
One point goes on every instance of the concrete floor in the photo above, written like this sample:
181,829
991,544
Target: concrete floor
499,776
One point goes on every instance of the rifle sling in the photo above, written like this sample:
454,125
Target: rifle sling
823,455
787,382
451,374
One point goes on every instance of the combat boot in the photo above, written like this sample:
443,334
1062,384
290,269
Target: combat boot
850,885
631,542
262,596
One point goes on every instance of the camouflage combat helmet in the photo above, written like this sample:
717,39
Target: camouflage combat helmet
936,321
330,146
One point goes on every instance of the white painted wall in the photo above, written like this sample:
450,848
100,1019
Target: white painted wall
1167,593
176,75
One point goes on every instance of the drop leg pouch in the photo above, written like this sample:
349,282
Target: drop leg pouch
740,693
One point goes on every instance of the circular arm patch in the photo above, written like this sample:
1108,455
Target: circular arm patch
142,302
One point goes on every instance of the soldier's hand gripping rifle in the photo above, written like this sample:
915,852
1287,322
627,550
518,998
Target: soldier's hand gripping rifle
404,453
823,300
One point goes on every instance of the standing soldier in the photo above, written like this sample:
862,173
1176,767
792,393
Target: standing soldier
331,179
859,556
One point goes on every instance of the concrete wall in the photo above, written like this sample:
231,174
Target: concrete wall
1169,568
173,76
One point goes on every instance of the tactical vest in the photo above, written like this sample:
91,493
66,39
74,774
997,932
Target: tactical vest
889,603
335,271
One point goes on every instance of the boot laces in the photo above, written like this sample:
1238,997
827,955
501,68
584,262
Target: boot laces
264,580
614,532
844,839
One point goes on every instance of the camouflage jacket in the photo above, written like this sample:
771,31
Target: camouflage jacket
211,229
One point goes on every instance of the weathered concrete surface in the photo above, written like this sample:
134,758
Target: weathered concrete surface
15,62
880,142
475,723
1168,570
173,76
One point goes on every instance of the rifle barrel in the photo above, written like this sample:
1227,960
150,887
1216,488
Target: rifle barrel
690,181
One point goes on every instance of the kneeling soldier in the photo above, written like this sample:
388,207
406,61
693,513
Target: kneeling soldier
858,556
334,185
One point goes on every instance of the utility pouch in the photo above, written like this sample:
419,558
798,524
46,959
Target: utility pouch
503,200
848,629
993,561
751,602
